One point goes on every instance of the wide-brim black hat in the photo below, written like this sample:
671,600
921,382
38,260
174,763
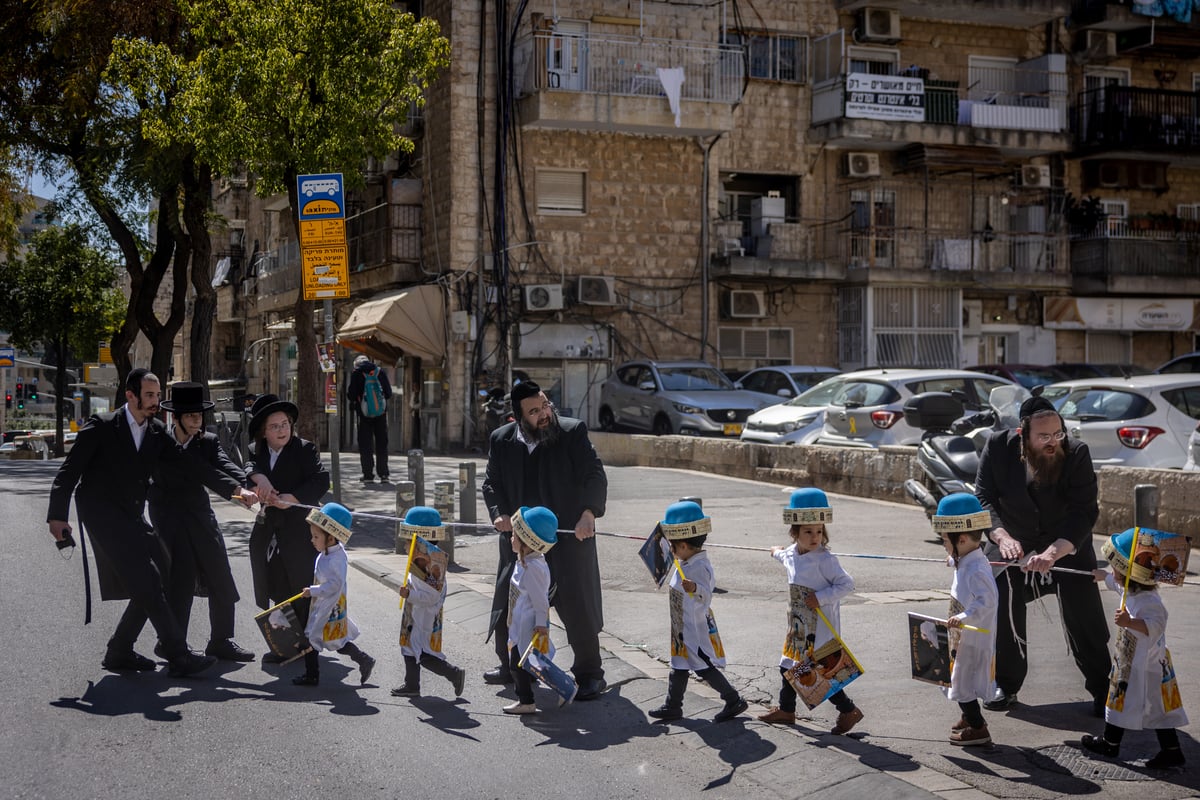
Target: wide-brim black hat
265,406
186,398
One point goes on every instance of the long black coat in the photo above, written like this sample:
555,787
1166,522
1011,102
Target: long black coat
298,471
570,479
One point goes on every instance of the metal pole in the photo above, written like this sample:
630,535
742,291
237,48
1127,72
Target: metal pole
416,474
405,499
443,501
331,420
1145,505
466,496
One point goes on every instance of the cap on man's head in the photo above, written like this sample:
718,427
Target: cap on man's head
523,391
1033,405
360,359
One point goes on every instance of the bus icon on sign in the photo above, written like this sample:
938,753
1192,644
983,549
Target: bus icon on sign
309,188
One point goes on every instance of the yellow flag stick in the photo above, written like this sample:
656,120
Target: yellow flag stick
838,639
1137,534
412,546
679,569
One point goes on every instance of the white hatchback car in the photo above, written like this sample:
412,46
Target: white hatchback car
1142,421
798,421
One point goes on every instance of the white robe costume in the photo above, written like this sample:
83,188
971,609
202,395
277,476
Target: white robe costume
421,623
1143,692
693,627
820,572
974,601
329,626
529,601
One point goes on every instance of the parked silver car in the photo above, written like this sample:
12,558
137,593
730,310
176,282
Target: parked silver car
663,397
1142,421
868,409
777,384
798,421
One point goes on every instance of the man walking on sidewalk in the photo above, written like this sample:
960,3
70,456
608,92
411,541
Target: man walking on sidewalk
369,392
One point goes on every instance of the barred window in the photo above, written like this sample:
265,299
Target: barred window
775,56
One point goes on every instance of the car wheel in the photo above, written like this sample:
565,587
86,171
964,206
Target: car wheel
662,426
607,421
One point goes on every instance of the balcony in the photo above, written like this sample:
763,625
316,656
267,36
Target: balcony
278,274
612,83
1124,258
1133,120
1005,13
1137,34
1020,111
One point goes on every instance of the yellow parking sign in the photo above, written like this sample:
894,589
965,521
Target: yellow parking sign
326,272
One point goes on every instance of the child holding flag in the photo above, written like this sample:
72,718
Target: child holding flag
695,642
821,584
424,594
1143,692
962,522
535,531
329,626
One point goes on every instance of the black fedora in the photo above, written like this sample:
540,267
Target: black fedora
186,398
265,406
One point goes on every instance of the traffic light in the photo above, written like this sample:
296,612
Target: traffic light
8,399
32,392
20,391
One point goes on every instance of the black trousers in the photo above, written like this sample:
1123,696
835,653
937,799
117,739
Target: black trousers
522,679
787,696
198,552
412,669
373,441
312,659
1083,619
677,683
1168,738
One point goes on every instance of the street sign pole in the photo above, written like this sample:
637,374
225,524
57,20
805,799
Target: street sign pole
332,418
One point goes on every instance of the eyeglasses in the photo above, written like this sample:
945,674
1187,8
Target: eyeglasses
539,410
1046,438
278,427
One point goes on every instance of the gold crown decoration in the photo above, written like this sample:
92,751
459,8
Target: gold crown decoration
527,535
963,523
687,530
807,516
329,525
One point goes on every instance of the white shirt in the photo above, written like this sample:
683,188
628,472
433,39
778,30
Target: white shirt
820,571
530,446
274,456
138,431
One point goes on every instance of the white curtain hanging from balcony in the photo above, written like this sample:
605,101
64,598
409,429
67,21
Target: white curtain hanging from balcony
408,322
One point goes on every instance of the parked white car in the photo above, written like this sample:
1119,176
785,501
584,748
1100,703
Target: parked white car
798,421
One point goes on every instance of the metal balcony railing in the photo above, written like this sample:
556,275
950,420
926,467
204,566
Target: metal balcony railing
278,270
1138,118
1103,256
937,249
627,65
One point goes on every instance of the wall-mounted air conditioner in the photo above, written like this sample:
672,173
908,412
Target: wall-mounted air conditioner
596,290
744,304
862,165
543,297
1034,176
879,25
1098,44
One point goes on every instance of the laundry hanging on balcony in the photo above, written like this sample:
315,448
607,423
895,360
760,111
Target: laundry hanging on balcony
408,322
671,79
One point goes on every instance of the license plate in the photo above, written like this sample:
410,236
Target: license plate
733,429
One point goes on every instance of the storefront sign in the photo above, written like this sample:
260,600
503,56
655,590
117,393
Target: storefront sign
1120,314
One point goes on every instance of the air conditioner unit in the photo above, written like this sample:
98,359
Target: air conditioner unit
595,290
745,304
543,297
862,165
1034,176
879,25
1099,44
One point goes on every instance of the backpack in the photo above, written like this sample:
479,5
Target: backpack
373,403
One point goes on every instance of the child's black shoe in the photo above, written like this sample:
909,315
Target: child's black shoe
365,665
731,710
306,680
666,712
1171,757
406,690
1099,745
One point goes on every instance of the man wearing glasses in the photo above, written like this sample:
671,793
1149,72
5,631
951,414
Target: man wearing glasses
1040,488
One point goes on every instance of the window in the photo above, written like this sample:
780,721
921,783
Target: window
767,381
1186,399
561,191
773,344
873,60
1108,405
865,393
872,227
775,56
1115,213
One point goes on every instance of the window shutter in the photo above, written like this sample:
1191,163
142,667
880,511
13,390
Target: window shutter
560,190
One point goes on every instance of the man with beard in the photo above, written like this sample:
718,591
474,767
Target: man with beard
1040,488
542,459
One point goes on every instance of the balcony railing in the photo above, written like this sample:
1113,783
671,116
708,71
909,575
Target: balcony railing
1149,256
627,65
944,249
384,234
278,270
1129,117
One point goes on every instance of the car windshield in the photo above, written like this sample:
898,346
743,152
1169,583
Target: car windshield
693,379
1030,377
819,395
1091,404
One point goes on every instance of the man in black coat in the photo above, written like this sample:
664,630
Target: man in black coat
111,463
542,459
183,517
1040,488
372,431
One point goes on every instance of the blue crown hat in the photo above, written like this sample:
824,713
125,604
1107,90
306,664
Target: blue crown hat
807,507
1153,559
334,519
423,521
684,520
959,513
537,527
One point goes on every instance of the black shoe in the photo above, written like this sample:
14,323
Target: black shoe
406,691
1001,701
271,657
1099,745
731,710
127,661
189,664
459,680
1166,759
367,478
384,479
160,651
664,712
228,650
306,680
499,676
590,689
365,665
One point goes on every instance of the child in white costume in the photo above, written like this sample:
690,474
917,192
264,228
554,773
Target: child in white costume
1143,692
329,626
535,531
695,642
812,567
421,624
961,522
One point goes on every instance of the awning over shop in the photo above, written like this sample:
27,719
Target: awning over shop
408,322
1121,313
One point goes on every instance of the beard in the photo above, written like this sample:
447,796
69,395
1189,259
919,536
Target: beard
1046,469
542,436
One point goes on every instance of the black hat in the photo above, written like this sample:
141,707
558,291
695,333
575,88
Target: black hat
1035,404
265,406
522,391
186,398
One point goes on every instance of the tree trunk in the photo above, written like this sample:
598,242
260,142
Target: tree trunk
197,192
309,387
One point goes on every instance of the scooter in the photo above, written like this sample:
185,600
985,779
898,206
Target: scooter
497,409
951,443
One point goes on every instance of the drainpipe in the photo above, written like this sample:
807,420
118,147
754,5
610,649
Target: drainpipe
704,217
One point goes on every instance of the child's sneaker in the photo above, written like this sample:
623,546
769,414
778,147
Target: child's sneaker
1099,745
777,714
666,712
459,680
846,721
731,710
961,725
969,736
406,691
1171,757
364,669
520,708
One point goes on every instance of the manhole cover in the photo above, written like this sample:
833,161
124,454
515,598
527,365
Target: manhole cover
1083,765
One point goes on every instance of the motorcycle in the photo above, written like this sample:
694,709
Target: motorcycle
497,409
951,443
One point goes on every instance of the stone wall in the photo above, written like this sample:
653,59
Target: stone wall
880,474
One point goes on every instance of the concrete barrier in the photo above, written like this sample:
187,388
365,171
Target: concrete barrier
881,473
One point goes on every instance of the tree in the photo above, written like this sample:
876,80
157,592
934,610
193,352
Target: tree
281,88
62,294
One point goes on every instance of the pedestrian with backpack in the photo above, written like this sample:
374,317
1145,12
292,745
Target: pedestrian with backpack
369,392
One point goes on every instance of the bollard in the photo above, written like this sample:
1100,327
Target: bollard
443,501
467,492
405,499
1145,505
416,474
